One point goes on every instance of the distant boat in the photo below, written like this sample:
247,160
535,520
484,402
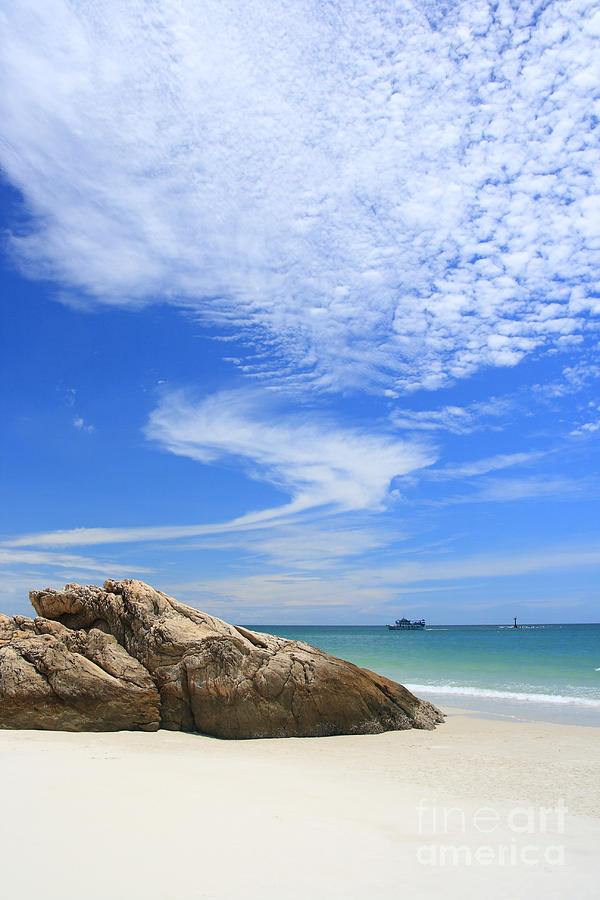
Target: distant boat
407,625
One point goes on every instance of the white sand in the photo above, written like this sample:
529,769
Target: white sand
168,815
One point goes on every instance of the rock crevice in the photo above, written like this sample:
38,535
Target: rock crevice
57,678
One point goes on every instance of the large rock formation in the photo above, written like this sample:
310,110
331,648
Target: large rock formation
55,678
231,682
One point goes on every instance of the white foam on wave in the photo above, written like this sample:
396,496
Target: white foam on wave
502,695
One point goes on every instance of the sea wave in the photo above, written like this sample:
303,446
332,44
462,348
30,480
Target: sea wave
502,695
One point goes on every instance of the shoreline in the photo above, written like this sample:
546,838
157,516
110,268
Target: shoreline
496,715
166,814
512,709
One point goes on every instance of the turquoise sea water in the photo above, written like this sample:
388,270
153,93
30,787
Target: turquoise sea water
548,672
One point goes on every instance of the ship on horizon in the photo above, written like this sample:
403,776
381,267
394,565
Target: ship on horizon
407,625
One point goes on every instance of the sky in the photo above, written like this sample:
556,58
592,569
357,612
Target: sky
301,306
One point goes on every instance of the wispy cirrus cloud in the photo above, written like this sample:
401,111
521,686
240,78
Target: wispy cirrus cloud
308,456
23,569
534,487
374,588
331,545
11,556
488,414
319,465
383,195
574,378
89,536
497,413
489,464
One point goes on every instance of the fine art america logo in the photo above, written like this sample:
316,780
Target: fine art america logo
520,836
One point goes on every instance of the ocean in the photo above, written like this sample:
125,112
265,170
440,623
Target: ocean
535,672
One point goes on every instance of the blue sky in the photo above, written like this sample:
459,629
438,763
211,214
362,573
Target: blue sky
301,306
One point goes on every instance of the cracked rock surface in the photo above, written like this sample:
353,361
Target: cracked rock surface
52,677
219,679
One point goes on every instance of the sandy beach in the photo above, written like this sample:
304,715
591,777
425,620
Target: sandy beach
475,808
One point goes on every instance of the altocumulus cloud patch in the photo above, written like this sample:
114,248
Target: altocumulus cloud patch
384,194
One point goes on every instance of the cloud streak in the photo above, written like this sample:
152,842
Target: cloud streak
373,587
489,414
318,463
10,556
489,464
385,194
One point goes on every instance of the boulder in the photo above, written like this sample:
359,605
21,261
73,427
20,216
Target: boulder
229,681
52,677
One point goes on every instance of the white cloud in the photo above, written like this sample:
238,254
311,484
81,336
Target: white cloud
489,464
587,428
574,378
83,537
24,569
40,557
381,192
336,543
316,462
456,419
494,565
81,425
374,587
499,412
16,557
505,490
